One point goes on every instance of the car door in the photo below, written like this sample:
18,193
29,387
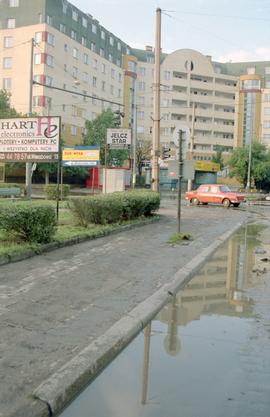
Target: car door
215,194
203,194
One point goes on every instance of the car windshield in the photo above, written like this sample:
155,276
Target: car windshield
225,189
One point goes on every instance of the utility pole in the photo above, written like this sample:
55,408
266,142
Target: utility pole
28,167
134,140
180,162
156,105
189,184
249,167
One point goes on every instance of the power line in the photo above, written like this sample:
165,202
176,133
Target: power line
216,15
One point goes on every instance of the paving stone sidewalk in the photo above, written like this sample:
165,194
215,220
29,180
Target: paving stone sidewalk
54,305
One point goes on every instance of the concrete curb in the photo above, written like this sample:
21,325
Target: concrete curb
62,387
17,257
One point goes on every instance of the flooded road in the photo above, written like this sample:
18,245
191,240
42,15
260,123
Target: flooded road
206,354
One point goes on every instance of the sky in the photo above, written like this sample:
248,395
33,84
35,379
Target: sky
227,30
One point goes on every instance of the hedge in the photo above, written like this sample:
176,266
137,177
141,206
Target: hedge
50,191
28,222
114,207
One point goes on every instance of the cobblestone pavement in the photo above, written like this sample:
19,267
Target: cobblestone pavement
53,305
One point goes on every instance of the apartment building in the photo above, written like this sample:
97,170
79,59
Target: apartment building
72,52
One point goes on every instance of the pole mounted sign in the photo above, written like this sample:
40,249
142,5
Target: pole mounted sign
118,138
30,139
80,156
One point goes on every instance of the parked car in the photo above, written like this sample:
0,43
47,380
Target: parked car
214,193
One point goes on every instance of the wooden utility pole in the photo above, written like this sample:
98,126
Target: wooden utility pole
28,167
180,162
156,105
189,184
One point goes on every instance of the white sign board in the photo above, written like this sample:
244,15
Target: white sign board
118,138
30,139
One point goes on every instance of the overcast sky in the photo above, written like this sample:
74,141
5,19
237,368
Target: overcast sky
228,30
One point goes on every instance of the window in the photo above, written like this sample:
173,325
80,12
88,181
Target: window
267,84
267,70
73,110
111,41
112,90
266,124
140,129
266,136
103,84
119,93
37,59
266,97
48,80
103,68
73,130
112,73
94,83
150,59
85,59
93,47
62,28
110,58
49,20
84,22
65,47
75,53
128,51
38,37
120,77
94,28
49,60
8,42
141,101
65,67
165,117
251,70
102,34
6,83
75,72
167,75
142,71
95,64
11,23
267,111
132,66
141,86
64,8
13,3
83,41
119,46
85,77
73,34
50,39
102,52
75,15
140,115
118,62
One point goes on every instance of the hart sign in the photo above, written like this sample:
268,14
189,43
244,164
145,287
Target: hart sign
118,138
30,139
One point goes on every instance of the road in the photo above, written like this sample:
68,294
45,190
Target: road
54,305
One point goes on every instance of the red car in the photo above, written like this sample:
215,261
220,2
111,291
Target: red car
214,193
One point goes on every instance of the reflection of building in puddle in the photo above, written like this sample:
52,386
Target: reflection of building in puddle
218,288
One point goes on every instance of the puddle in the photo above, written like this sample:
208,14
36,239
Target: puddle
204,355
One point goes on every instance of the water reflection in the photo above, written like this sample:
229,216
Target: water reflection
193,359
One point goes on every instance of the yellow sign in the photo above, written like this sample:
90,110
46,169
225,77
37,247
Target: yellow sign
206,166
80,155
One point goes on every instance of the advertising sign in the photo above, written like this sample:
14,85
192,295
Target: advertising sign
80,156
118,138
206,166
30,139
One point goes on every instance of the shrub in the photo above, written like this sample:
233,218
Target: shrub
28,222
9,185
115,207
51,191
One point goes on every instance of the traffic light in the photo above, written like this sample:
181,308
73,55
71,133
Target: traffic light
166,153
117,118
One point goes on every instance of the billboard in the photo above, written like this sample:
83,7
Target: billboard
80,156
206,166
118,138
30,139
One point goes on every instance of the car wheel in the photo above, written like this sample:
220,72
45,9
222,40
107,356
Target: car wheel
236,204
195,201
226,203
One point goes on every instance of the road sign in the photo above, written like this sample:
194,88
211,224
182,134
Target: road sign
30,139
118,138
80,156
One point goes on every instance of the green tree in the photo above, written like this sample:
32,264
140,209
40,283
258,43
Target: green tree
218,158
238,163
6,110
95,136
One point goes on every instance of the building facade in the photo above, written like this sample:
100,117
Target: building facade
91,69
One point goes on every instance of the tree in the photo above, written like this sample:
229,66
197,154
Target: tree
143,152
260,158
218,159
5,110
95,136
